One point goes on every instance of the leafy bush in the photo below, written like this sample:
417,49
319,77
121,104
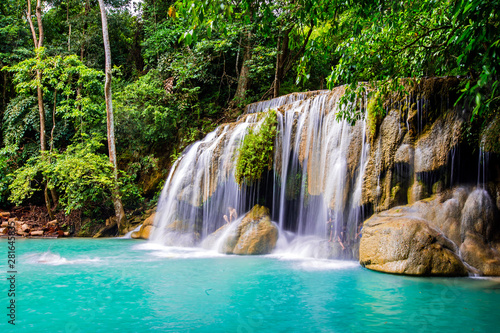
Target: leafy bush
257,150
82,177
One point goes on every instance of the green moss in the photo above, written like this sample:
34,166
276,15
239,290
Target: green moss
395,192
257,213
256,153
491,136
375,114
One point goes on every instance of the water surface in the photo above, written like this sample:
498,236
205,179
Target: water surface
88,285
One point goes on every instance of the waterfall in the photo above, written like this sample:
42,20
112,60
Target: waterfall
317,175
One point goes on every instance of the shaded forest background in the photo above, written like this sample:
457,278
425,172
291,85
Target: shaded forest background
181,68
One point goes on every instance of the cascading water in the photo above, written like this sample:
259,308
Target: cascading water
317,175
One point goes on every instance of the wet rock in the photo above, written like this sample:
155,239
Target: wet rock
478,215
404,154
394,243
258,235
480,255
432,148
146,228
253,234
416,192
465,217
490,138
210,241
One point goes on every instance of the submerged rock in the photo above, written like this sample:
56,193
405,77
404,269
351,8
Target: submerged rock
255,233
407,245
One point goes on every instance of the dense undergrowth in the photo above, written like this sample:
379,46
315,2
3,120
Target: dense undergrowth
180,68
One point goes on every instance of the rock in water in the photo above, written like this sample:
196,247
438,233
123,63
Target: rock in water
478,216
257,234
145,229
478,227
253,234
407,245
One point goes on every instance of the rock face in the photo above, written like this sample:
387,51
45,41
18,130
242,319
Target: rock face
416,138
405,245
253,234
437,236
145,229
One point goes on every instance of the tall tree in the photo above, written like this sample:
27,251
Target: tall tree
38,42
117,202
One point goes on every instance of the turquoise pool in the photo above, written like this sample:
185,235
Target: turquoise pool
105,285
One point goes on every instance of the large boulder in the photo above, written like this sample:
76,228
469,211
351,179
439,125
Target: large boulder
255,233
258,235
480,255
478,215
394,243
146,228
464,217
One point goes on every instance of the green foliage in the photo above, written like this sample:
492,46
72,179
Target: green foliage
257,150
382,41
75,89
178,64
20,118
83,177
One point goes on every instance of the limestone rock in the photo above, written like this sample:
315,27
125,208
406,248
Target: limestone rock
253,234
464,216
480,255
431,149
258,235
399,244
37,233
146,228
478,215
143,233
404,154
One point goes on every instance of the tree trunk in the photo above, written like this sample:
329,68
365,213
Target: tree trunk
69,27
38,42
117,202
4,94
282,58
241,90
276,72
